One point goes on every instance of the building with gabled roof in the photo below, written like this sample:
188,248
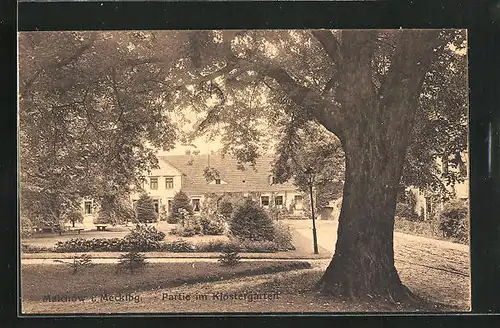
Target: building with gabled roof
186,173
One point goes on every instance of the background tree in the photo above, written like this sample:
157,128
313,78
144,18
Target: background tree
90,103
75,217
225,208
395,99
116,209
181,201
145,209
312,156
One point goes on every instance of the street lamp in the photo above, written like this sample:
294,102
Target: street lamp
310,179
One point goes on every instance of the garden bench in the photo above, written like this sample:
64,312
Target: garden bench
77,230
53,229
101,227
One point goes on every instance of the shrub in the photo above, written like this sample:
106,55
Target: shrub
180,201
283,236
213,225
179,245
225,208
74,217
256,246
142,231
230,256
26,248
172,219
453,220
26,227
131,261
251,222
211,246
405,211
163,216
80,262
182,231
188,227
91,245
145,209
143,238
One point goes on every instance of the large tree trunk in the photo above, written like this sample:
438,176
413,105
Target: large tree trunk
363,264
375,137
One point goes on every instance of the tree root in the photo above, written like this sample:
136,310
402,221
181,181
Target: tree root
393,294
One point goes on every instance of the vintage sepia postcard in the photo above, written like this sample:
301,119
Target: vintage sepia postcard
243,171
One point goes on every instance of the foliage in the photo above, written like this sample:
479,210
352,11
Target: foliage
210,174
91,245
80,262
26,227
145,209
311,157
230,256
428,229
454,220
283,236
28,248
87,104
179,245
216,245
251,222
115,209
213,224
180,203
172,219
132,261
188,227
256,246
74,217
183,231
278,213
143,238
225,208
404,210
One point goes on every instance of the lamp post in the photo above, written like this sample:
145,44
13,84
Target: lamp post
310,175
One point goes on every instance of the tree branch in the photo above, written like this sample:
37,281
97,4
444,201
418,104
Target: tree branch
325,112
330,43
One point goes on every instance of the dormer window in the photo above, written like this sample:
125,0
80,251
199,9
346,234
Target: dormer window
217,181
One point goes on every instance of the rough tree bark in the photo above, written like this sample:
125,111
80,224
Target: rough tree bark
375,144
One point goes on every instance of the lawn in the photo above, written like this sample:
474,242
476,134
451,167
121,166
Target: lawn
38,281
293,291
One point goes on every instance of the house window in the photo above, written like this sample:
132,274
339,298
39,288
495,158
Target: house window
156,205
196,204
278,200
217,181
169,183
264,200
169,205
88,207
153,183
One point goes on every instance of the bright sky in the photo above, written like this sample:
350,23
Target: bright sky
200,145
